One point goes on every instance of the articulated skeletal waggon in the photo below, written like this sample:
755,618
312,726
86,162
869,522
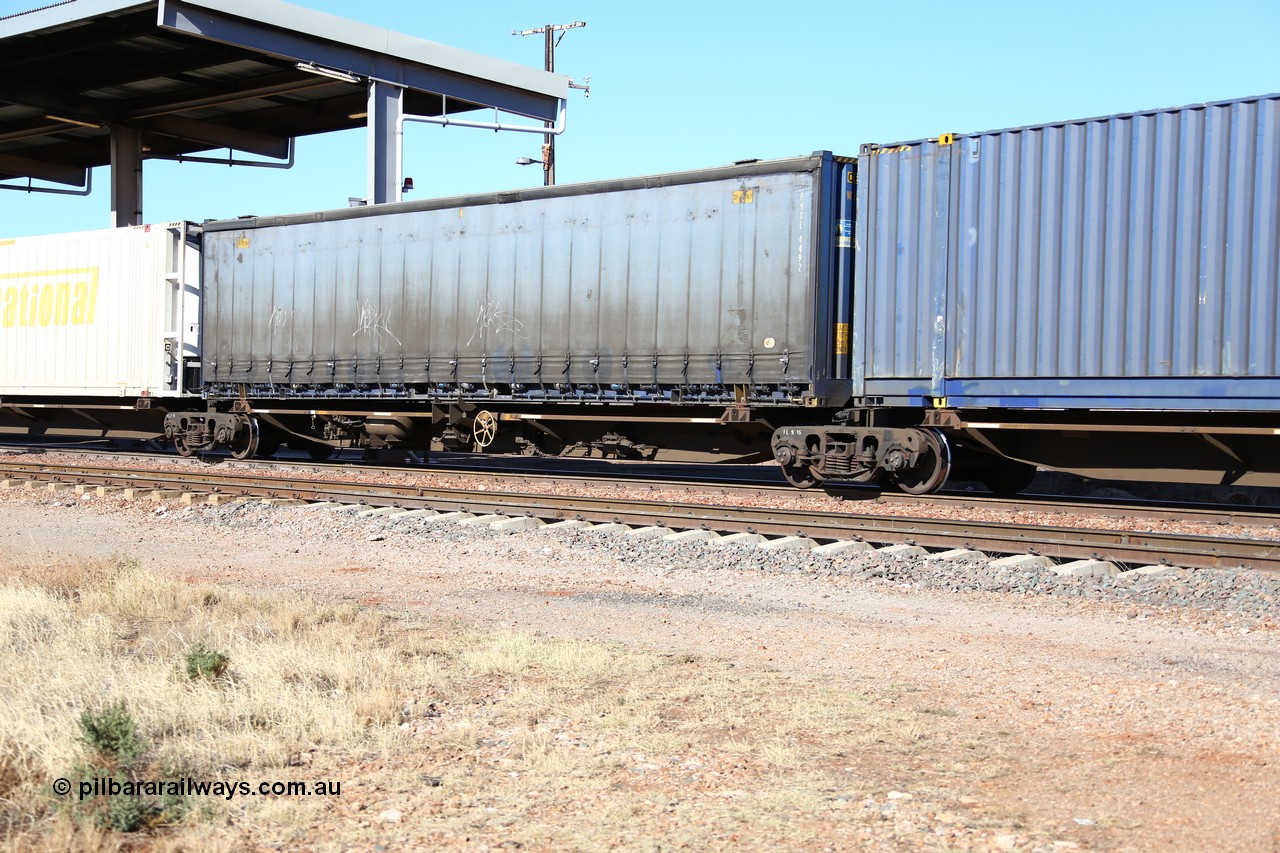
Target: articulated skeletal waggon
1098,296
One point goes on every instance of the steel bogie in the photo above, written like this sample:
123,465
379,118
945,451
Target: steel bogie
917,460
196,431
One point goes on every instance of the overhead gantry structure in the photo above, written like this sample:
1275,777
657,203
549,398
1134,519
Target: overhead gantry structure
88,83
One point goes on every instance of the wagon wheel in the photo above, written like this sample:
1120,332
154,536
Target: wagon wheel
800,476
1005,477
180,444
245,444
484,428
267,447
320,452
931,471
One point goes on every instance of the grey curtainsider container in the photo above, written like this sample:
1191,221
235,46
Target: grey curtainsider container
646,286
1127,262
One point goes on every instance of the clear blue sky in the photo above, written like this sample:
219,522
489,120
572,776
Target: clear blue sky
693,84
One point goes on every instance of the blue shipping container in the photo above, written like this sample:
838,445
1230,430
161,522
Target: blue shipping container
1128,262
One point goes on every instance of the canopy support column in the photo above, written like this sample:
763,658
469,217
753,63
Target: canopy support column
126,177
386,106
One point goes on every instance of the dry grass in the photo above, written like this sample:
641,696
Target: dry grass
523,736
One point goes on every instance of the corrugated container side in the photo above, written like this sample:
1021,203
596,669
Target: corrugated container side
1140,248
902,238
97,313
583,288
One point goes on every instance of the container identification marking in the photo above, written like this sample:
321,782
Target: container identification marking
744,196
49,298
842,338
844,234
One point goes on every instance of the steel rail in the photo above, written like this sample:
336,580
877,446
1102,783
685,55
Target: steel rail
727,482
1062,543
728,485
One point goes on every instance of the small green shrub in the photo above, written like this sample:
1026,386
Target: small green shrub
113,733
117,801
127,814
204,662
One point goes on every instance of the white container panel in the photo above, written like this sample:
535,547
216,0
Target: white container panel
98,313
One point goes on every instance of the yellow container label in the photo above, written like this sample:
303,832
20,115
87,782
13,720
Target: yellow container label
842,338
47,298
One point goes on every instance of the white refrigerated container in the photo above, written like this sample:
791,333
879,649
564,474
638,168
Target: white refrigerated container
110,313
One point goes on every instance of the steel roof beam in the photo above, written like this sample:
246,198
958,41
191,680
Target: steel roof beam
56,101
209,96
21,167
155,120
348,46
44,128
80,39
173,66
216,135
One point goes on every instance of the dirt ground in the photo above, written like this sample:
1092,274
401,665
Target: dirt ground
1039,723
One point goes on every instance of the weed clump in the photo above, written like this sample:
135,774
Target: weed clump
204,662
117,801
113,734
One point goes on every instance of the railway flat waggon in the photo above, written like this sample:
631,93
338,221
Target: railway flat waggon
1099,296
661,317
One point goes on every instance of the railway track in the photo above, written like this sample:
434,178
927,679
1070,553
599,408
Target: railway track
995,538
515,472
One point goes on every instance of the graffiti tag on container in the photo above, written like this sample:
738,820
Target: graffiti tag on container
373,323
281,324
491,318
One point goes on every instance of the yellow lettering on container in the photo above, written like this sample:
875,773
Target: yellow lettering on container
49,298
80,311
46,305
62,309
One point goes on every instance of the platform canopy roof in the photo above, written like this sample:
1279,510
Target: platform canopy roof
194,75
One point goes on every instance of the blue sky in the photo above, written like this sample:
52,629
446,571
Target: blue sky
687,85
